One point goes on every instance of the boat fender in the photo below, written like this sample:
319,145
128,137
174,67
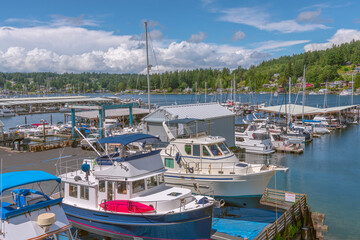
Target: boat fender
45,220
177,157
191,170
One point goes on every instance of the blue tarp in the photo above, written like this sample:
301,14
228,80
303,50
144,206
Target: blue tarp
310,121
15,179
125,139
244,222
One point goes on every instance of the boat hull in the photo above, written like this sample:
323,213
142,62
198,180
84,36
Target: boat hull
236,190
194,224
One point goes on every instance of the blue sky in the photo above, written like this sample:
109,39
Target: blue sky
108,36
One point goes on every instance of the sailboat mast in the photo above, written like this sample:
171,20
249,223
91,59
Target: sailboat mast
303,97
325,96
352,90
234,89
289,100
147,64
205,92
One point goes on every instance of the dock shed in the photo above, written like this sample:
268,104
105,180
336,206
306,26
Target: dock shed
216,120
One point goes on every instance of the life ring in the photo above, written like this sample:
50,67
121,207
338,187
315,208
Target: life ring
191,170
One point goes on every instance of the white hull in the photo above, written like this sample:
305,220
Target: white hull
223,185
255,148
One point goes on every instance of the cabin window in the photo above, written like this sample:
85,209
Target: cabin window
110,192
214,150
73,190
161,178
224,148
151,182
101,186
206,152
169,162
188,149
84,192
239,139
138,186
121,187
196,150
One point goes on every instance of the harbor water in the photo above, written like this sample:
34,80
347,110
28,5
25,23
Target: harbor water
328,171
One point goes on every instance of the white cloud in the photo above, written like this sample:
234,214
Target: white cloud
309,16
196,38
274,45
341,36
75,49
256,17
238,36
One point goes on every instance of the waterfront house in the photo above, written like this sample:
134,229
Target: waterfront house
213,119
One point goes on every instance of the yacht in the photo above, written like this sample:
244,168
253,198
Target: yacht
254,140
123,195
32,213
6,112
202,163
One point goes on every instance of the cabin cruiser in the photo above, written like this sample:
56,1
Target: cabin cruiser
312,126
283,143
202,163
254,140
32,212
6,112
123,195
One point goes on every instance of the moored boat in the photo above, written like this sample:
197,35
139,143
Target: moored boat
31,213
123,195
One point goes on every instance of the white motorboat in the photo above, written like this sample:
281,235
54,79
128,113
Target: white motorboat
123,195
6,112
254,140
32,212
204,163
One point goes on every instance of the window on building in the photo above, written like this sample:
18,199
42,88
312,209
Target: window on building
161,178
73,190
188,149
84,192
206,152
101,186
121,187
196,150
151,182
138,186
169,162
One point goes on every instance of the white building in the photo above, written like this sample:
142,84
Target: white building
215,119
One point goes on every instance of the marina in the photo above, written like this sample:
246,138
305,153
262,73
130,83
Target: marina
279,158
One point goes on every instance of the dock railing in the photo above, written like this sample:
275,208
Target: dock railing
296,208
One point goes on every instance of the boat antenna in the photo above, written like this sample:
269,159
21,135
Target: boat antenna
147,64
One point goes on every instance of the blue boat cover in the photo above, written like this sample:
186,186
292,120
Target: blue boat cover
125,139
15,179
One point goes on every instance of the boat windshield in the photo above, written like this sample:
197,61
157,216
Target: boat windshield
261,136
214,150
224,148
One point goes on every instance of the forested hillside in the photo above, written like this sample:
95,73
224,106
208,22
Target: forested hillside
336,63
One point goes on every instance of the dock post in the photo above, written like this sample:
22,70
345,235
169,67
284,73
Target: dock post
130,116
73,122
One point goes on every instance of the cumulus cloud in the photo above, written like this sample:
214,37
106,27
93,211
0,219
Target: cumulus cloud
196,38
257,17
341,36
273,45
238,36
76,49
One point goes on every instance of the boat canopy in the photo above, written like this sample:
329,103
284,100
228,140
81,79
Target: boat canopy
126,139
183,121
15,179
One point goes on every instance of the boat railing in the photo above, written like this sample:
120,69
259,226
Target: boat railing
218,168
65,166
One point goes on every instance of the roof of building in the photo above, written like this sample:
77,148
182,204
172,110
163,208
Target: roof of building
201,111
110,113
297,110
